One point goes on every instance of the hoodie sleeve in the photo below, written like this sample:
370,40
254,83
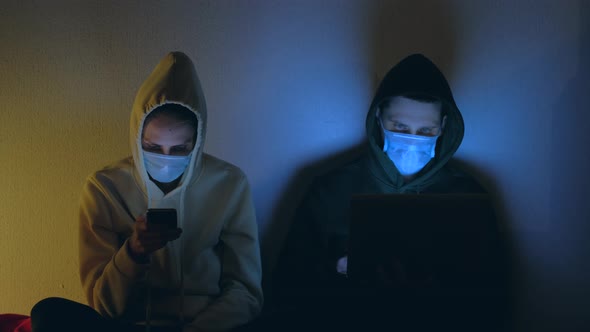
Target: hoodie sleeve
107,272
241,296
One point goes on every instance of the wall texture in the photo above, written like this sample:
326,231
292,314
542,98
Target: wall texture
287,85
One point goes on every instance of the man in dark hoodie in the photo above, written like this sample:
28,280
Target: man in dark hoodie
414,127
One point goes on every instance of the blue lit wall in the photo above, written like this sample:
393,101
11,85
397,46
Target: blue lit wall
288,84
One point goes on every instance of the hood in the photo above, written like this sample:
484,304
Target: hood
173,81
414,74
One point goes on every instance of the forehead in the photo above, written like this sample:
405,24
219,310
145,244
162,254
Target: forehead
166,128
405,109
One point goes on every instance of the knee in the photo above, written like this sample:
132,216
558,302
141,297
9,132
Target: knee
46,305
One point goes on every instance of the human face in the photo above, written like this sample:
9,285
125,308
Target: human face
408,116
168,136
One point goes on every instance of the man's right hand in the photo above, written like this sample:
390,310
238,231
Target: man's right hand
342,265
144,241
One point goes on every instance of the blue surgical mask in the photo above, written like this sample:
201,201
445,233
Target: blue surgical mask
409,153
165,168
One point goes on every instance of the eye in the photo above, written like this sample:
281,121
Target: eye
151,147
180,149
399,126
428,131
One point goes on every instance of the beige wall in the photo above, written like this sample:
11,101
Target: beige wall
287,84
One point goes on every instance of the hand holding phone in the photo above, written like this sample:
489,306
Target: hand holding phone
152,231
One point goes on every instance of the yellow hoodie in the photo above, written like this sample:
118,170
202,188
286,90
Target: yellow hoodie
210,278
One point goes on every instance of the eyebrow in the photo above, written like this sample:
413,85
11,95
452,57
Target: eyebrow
398,122
154,144
434,123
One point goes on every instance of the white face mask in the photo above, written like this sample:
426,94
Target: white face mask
164,168
410,153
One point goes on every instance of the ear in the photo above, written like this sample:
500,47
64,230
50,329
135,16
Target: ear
444,122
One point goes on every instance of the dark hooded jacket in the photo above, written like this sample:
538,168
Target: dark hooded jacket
318,236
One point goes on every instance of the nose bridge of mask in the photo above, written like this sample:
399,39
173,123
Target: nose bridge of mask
409,142
164,159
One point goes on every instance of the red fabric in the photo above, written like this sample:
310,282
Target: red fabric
15,323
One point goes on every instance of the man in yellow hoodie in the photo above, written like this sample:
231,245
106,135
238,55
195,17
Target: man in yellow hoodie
204,275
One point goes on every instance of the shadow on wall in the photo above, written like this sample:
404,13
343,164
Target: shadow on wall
394,34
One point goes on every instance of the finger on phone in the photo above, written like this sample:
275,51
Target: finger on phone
140,223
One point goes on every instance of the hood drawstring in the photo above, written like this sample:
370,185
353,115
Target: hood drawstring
148,302
181,219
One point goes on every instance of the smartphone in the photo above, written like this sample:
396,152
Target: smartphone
161,219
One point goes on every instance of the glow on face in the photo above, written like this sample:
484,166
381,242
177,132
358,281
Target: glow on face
408,116
168,136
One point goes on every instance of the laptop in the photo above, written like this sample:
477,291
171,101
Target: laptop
442,242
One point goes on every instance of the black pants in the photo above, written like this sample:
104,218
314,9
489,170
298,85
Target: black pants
58,314
400,311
